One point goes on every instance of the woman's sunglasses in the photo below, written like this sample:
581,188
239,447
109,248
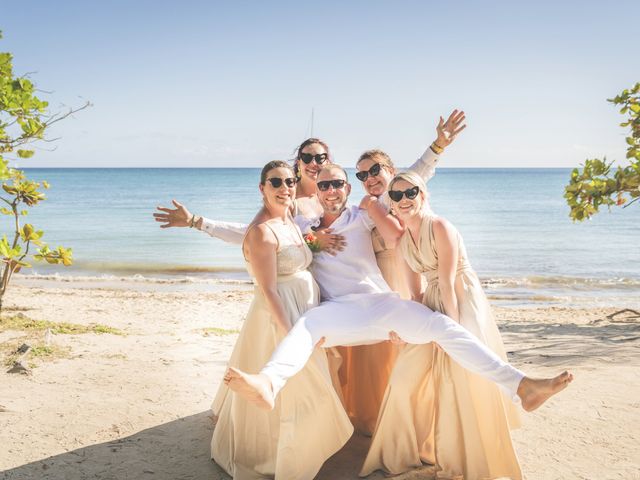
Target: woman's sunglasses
374,171
411,193
319,158
277,182
323,186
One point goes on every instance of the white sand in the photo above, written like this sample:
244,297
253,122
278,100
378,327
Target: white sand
137,406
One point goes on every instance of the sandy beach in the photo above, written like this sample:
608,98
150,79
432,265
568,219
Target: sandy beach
133,402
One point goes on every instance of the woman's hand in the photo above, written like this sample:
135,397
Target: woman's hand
395,339
366,202
283,324
178,217
449,130
330,242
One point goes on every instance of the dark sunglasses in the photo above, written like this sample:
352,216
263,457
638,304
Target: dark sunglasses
277,182
411,193
323,186
374,171
320,158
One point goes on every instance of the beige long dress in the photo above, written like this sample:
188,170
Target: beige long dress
434,411
308,423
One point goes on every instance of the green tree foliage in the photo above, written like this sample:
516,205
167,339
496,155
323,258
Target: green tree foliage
24,119
597,184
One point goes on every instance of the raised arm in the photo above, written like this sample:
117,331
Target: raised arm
260,248
447,131
181,217
447,250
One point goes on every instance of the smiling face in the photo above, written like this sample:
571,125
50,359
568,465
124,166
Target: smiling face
309,171
407,208
282,195
333,199
377,185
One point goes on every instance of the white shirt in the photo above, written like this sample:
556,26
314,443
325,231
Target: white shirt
353,270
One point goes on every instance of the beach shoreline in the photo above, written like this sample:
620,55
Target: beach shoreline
136,404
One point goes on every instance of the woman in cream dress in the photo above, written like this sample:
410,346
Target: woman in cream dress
308,423
465,428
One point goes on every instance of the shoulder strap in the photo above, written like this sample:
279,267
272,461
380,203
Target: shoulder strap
244,239
275,234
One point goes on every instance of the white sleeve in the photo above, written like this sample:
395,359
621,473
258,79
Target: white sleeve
229,232
425,166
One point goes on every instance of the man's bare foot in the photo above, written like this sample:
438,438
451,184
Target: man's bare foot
534,392
254,388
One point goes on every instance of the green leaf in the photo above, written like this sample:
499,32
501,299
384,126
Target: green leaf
25,153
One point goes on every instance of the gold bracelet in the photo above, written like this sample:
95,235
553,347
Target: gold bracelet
192,223
437,149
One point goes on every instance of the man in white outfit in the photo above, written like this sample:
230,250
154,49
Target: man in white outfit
360,308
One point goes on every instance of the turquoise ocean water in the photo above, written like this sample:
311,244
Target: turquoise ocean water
514,221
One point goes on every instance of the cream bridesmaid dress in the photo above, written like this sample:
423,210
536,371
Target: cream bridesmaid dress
434,411
308,423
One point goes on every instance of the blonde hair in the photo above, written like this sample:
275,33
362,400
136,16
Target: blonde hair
417,181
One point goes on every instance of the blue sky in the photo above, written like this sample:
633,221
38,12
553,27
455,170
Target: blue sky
205,84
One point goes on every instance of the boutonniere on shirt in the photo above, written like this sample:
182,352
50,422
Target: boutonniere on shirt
312,242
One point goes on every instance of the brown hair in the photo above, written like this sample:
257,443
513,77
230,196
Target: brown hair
334,166
270,166
306,143
382,157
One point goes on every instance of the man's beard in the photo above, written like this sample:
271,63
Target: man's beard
335,208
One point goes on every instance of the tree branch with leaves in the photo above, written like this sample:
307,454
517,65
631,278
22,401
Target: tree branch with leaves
597,184
24,119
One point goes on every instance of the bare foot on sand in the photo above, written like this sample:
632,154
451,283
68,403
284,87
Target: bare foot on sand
254,388
534,392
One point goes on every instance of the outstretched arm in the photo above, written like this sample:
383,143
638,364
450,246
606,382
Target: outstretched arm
181,217
447,131
230,232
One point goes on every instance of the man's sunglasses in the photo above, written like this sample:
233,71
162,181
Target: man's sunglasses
319,158
323,186
277,182
411,193
374,171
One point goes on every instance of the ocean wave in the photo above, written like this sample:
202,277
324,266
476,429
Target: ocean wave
547,288
154,268
137,278
582,283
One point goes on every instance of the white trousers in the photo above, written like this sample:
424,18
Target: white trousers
368,318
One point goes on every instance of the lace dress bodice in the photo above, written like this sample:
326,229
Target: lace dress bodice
292,254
